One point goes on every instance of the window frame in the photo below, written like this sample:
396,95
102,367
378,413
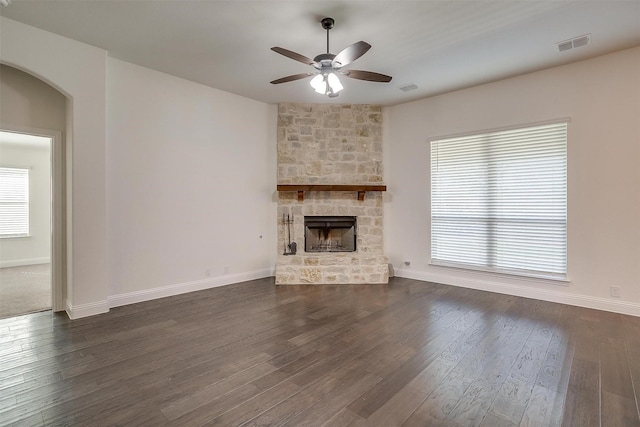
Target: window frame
26,202
488,268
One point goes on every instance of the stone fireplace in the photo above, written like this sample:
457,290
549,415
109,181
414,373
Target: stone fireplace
330,186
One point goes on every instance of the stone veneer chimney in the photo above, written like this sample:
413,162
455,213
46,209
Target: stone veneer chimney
334,145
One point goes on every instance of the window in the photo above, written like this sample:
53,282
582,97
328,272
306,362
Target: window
499,201
14,202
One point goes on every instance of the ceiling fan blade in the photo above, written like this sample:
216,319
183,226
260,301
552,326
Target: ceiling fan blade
350,54
292,78
367,75
293,55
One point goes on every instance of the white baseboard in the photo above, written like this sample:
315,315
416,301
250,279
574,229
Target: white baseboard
559,296
86,310
21,262
181,288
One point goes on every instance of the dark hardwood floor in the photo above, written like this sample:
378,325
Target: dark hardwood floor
409,353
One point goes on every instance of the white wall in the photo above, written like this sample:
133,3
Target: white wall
36,248
78,71
190,170
190,177
601,96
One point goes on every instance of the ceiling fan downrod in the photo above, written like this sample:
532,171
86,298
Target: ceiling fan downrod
327,24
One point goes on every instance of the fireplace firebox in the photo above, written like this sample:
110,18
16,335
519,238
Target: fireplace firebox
330,233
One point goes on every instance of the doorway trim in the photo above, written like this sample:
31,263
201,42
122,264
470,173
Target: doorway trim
57,206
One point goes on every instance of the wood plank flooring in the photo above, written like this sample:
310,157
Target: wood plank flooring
409,353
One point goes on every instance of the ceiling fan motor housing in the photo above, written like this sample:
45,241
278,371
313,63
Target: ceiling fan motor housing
327,23
324,59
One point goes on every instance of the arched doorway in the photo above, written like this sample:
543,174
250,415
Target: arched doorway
32,107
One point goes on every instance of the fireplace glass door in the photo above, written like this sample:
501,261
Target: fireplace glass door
330,233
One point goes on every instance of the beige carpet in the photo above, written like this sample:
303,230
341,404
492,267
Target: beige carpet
25,289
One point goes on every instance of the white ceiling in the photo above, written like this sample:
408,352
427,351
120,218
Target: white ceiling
439,46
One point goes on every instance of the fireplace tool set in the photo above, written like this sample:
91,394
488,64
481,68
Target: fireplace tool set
291,247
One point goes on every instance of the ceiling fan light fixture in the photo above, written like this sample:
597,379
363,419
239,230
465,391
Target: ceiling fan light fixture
334,83
326,84
319,84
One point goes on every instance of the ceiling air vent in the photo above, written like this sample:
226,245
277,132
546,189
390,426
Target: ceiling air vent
574,42
408,87
581,41
565,46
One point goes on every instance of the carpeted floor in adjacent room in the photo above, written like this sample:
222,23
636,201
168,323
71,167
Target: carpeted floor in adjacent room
25,289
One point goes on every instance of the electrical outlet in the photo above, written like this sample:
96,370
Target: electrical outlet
407,263
207,272
614,291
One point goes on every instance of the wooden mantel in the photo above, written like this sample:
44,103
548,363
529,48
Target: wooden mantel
301,188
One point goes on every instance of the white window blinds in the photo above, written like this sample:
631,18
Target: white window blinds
14,202
499,201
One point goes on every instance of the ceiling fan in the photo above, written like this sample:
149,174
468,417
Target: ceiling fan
328,66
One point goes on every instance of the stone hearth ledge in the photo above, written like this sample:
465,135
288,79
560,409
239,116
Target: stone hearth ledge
332,268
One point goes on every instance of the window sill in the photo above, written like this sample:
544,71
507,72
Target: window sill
548,278
28,236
